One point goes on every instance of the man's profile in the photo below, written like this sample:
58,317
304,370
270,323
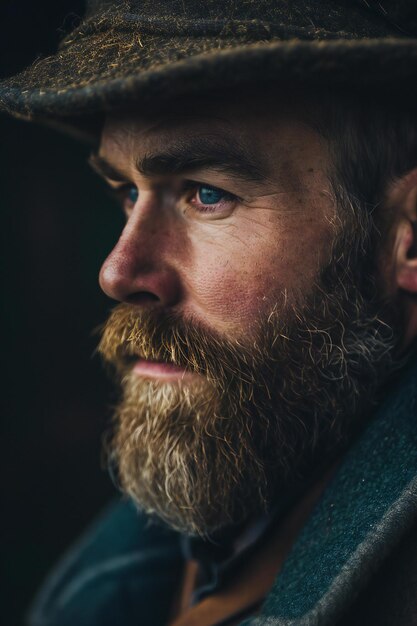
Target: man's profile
263,336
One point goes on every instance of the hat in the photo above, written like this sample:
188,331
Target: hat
148,52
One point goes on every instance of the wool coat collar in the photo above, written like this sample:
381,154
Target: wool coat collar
367,507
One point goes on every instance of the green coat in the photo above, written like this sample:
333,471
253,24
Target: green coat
354,563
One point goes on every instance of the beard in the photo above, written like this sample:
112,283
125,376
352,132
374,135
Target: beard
214,449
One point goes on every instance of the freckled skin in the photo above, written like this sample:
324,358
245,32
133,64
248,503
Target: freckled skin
227,270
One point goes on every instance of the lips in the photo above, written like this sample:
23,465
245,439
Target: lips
158,369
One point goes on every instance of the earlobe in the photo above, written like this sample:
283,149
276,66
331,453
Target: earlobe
407,279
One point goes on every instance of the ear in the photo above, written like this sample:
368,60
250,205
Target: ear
404,253
405,247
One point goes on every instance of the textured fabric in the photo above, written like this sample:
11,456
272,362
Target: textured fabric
369,505
117,574
147,52
355,562
391,596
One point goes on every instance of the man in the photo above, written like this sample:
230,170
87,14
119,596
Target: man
264,337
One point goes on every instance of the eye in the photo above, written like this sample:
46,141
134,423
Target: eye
208,199
126,195
209,195
133,195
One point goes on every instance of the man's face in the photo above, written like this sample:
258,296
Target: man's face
232,352
244,224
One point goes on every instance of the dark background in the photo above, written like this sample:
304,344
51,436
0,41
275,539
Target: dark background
57,225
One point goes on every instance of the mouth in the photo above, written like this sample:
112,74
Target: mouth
159,370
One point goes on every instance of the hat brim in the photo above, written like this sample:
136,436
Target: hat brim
114,72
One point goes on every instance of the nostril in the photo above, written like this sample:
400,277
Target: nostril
142,297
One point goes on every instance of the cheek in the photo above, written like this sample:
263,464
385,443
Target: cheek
233,281
239,272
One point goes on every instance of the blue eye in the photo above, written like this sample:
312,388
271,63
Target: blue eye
133,195
210,195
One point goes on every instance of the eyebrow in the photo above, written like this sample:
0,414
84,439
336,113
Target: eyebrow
189,156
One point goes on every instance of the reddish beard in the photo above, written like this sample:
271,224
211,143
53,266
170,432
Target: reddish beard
190,451
215,449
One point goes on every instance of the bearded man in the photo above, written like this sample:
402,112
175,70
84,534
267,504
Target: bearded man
265,157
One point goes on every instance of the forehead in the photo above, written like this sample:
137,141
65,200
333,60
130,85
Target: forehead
255,119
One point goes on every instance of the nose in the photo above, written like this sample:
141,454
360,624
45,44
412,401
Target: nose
139,269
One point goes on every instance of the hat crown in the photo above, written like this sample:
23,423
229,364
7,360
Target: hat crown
400,13
363,18
149,51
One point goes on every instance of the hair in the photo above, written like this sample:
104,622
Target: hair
372,140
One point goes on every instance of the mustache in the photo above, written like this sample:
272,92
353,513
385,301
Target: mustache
131,333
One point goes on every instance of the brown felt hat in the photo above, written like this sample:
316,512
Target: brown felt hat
151,51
